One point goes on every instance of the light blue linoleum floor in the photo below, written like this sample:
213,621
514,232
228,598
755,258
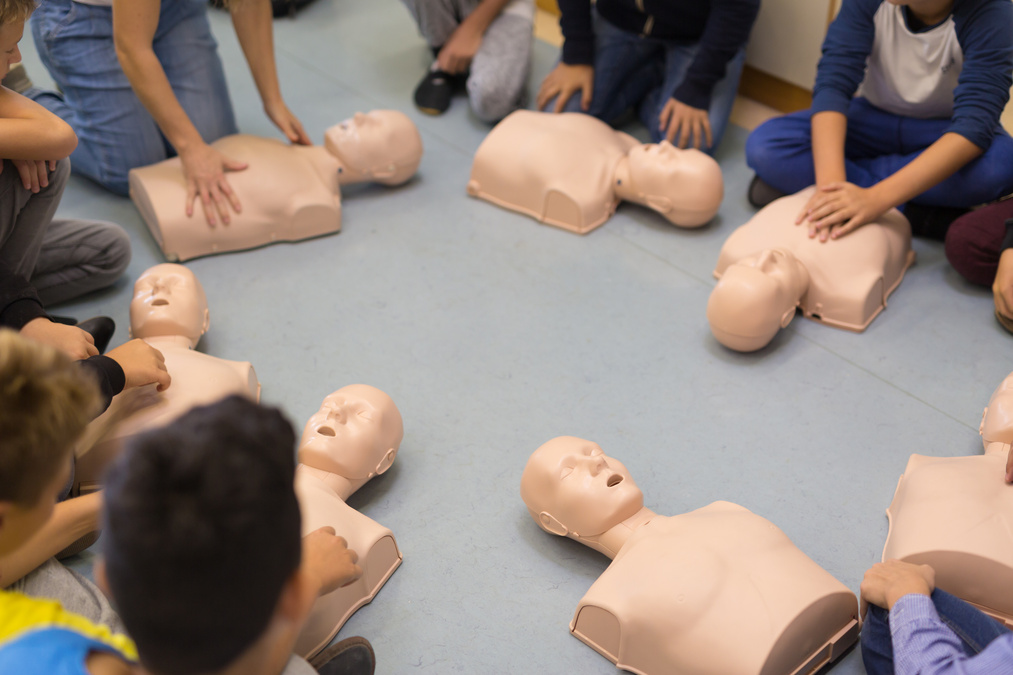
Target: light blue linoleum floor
494,334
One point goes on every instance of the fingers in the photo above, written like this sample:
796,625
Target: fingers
1009,466
299,134
564,95
705,123
29,178
585,99
545,92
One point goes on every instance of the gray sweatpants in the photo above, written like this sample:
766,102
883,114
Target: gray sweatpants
499,71
61,258
79,595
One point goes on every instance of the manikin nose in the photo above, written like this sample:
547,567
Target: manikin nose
595,465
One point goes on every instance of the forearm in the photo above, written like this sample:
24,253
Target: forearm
484,14
253,24
935,164
29,131
134,24
71,520
829,129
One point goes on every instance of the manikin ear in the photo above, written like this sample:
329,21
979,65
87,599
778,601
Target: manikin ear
659,204
788,316
207,321
981,424
383,173
387,460
548,522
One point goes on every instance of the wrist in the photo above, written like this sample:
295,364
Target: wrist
910,588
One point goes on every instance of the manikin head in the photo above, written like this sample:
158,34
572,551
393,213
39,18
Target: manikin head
685,186
169,300
997,420
355,434
382,145
755,298
573,489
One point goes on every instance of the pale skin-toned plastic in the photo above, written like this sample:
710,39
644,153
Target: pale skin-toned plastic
572,170
770,267
169,311
716,591
288,192
956,514
352,438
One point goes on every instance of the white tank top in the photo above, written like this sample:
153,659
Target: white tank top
912,74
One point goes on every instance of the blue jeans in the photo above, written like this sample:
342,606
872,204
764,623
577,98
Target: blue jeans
878,144
643,72
115,132
974,629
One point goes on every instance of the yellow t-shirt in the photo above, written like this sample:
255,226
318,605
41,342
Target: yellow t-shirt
20,613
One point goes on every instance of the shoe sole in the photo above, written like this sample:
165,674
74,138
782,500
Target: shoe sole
431,111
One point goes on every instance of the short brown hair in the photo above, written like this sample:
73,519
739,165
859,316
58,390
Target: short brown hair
46,401
15,10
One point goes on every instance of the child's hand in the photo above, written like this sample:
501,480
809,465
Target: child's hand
692,125
328,561
839,208
204,169
886,583
77,343
287,122
563,82
34,173
1002,287
458,51
142,364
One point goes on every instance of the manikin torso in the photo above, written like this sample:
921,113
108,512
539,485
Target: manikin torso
323,490
849,278
558,169
288,193
717,591
956,514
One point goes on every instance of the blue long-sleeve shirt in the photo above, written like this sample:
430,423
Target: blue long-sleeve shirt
984,32
924,645
720,26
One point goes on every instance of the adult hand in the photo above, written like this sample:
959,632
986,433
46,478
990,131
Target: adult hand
69,339
886,583
563,82
692,125
328,560
142,364
204,170
34,172
459,49
839,208
287,122
1002,287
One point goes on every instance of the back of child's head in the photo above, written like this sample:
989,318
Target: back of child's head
46,401
15,10
202,531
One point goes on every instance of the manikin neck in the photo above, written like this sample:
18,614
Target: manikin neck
997,448
178,341
623,183
613,539
348,175
341,486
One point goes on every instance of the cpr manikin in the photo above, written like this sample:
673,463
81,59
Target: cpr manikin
352,438
716,591
571,170
770,267
956,514
288,192
169,311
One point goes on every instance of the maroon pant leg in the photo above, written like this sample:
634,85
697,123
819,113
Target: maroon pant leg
973,241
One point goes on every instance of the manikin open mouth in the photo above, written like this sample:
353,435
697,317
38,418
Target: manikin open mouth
159,302
325,431
614,479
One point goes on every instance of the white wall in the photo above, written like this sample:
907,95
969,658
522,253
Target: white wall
786,39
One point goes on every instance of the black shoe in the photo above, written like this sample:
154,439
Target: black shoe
17,79
931,222
432,96
101,328
353,656
761,193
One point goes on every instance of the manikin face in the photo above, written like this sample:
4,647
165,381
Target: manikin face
675,182
168,300
355,434
383,144
997,420
755,298
10,36
575,483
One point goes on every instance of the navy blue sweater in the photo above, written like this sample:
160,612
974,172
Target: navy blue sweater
720,26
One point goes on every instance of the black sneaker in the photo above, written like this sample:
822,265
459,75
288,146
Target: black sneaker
931,222
433,94
352,656
761,193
